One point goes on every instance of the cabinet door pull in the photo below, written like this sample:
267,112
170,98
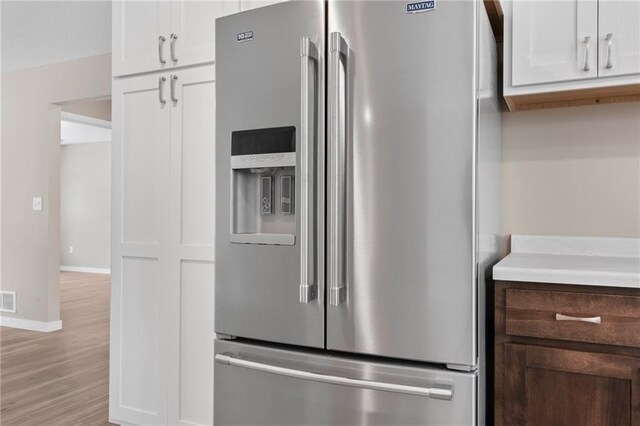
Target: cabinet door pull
161,81
609,38
174,79
587,47
593,320
161,40
172,47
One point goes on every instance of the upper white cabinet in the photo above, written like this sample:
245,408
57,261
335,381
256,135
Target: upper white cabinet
570,52
139,36
554,41
619,37
159,34
253,4
193,23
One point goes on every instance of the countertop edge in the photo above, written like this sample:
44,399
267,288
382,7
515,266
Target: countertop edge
557,277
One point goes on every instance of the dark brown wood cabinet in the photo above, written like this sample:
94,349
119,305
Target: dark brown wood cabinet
566,355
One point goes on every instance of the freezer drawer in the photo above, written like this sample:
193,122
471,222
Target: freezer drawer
261,385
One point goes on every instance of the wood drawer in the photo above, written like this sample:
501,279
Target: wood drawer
533,313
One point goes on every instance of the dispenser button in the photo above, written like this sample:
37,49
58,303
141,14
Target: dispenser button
286,194
265,195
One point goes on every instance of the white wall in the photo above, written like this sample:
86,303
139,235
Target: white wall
85,205
31,167
572,171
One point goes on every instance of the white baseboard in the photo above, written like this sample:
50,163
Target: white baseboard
32,325
87,269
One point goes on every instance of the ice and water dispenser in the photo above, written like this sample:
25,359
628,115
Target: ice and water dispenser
263,186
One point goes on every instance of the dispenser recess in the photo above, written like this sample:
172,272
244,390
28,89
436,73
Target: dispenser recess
263,169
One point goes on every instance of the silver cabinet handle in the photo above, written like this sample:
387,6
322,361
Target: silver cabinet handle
593,320
609,38
308,54
161,81
337,177
172,47
437,392
161,40
174,79
587,47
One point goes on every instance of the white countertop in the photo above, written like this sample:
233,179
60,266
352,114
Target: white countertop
613,262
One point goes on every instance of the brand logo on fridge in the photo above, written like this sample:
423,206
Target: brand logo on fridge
422,6
245,36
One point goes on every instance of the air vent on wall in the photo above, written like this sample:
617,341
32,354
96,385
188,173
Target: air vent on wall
8,301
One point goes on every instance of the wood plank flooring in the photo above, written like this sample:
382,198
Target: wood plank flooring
61,377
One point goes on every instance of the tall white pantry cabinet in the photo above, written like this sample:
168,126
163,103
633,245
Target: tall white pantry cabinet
163,171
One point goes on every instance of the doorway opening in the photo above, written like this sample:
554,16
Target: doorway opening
85,186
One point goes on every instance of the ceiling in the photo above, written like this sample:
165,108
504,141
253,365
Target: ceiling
43,32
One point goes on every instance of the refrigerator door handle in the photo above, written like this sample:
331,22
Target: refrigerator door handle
444,392
337,159
308,56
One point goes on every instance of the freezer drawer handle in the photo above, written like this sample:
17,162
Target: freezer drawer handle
308,54
437,392
337,174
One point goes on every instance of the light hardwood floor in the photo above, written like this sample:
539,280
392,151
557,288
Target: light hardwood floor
62,377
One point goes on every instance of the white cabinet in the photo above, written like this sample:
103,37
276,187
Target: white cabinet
191,273
619,37
140,32
253,4
554,41
193,22
570,52
160,34
162,330
140,251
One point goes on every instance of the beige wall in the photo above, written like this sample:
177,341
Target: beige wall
572,171
31,167
85,205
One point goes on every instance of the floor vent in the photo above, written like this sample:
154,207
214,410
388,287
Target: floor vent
8,301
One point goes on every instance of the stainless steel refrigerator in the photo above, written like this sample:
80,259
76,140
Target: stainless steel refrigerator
358,212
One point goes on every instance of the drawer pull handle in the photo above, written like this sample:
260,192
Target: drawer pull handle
587,42
609,39
593,320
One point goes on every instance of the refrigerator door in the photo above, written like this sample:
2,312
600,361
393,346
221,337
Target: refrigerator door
401,175
268,386
269,172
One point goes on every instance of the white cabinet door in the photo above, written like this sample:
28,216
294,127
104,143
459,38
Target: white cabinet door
619,38
253,4
554,41
140,219
193,22
192,247
137,32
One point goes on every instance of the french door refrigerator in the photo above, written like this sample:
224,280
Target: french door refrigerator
358,212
